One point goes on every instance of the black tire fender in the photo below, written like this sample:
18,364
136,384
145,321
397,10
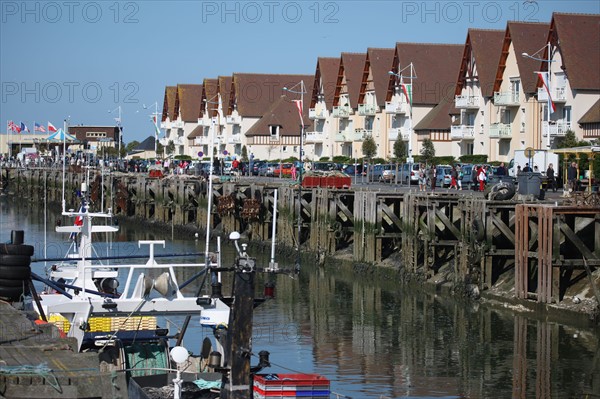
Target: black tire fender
15,273
9,283
15,260
12,292
12,249
478,229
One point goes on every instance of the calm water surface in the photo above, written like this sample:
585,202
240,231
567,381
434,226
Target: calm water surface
374,339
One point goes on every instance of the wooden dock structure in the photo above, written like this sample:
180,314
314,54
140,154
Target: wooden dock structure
548,246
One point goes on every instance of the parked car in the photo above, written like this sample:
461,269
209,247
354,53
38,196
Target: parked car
356,169
284,169
267,169
256,166
443,175
413,174
376,171
324,166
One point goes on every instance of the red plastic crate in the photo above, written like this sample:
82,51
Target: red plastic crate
311,181
291,386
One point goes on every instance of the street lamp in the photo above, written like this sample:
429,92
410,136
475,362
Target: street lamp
299,88
156,128
118,120
409,96
546,82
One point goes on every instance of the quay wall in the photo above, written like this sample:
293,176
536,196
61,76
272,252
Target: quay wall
539,251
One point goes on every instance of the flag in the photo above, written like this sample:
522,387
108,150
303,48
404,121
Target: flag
544,78
51,127
78,222
299,106
156,128
24,128
13,127
407,90
39,128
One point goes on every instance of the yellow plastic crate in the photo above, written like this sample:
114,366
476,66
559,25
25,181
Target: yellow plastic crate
60,321
133,323
100,324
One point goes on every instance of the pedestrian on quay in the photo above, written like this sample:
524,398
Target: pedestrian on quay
460,177
572,177
551,178
482,177
501,170
422,178
293,171
453,178
432,177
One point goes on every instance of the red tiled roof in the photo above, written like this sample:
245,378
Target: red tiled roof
284,113
485,46
526,37
380,62
325,78
225,91
169,103
189,98
351,68
578,39
439,118
435,66
254,93
592,115
209,94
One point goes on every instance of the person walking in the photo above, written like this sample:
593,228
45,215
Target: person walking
432,177
460,177
422,178
482,177
551,178
294,171
453,178
572,176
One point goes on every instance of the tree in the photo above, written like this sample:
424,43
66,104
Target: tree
159,149
130,146
369,147
170,147
428,151
244,154
400,150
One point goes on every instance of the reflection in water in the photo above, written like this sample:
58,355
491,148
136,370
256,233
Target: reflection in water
375,339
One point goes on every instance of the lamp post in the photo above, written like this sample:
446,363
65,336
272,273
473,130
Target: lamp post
299,89
120,126
156,128
409,97
548,60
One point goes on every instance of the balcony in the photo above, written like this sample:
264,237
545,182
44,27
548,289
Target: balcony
506,99
367,109
559,94
500,131
235,139
467,102
179,141
341,111
556,129
202,140
317,113
395,133
361,134
165,125
341,136
177,125
314,137
234,119
392,107
462,132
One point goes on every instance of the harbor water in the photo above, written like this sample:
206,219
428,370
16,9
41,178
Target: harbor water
372,337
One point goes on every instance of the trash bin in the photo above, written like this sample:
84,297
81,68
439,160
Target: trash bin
530,183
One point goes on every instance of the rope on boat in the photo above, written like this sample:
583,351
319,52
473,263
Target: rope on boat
41,369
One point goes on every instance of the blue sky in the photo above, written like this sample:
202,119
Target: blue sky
80,59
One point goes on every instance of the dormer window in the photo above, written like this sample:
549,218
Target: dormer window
274,130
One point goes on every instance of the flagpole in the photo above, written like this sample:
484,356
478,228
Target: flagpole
64,156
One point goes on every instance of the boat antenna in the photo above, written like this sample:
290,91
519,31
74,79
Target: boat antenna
273,265
64,162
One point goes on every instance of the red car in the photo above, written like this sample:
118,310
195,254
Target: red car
284,169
